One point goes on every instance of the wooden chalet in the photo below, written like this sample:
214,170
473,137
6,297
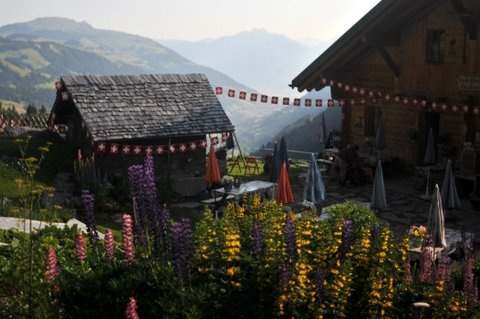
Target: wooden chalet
121,118
416,64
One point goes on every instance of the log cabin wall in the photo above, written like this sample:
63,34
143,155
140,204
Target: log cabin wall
406,125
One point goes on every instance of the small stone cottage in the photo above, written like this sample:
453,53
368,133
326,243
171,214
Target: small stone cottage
120,119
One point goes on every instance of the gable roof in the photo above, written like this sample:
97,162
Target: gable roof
381,26
146,106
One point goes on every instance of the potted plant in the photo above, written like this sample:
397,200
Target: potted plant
227,182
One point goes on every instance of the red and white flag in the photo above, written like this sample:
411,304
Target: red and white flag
114,148
231,93
126,149
243,95
203,143
308,102
182,148
330,103
264,99
318,102
159,150
102,147
286,101
148,150
218,90
296,102
253,97
137,149
193,146
172,148
274,99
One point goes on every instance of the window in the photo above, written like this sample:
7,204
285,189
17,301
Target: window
372,118
435,46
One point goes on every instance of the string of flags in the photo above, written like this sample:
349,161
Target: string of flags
126,149
362,97
379,96
254,97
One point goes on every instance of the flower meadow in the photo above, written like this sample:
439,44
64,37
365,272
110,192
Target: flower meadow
257,261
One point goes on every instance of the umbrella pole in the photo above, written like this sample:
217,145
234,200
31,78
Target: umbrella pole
427,188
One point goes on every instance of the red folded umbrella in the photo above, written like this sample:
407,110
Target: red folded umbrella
284,192
212,174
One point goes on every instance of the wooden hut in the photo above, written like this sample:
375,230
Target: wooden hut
119,119
415,64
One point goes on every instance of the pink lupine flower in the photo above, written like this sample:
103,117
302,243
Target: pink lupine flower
109,245
131,310
470,285
127,239
80,247
53,270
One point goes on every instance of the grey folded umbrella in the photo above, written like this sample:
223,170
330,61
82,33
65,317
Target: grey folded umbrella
380,136
379,199
449,193
436,220
430,157
314,190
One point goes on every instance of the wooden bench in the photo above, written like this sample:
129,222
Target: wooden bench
251,163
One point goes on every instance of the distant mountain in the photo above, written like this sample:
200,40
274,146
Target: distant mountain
262,60
34,54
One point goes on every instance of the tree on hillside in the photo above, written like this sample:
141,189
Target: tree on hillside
43,109
31,109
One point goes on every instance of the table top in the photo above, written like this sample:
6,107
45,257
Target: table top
247,187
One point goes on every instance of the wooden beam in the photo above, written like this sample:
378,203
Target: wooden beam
388,59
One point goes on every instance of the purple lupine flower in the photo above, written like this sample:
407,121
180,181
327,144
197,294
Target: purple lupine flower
469,283
319,283
182,247
290,238
163,224
444,272
135,177
426,273
348,237
89,215
258,243
138,224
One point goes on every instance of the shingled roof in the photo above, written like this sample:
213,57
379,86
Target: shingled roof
146,106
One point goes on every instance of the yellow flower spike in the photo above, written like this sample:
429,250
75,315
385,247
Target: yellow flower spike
43,149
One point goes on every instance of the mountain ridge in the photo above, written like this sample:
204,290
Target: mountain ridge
36,53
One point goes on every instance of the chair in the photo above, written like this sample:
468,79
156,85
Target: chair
251,163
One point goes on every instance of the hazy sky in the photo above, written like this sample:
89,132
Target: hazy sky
199,19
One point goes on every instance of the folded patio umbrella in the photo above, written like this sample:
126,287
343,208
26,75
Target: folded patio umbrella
449,193
314,191
212,174
436,220
379,199
276,165
429,159
380,136
284,192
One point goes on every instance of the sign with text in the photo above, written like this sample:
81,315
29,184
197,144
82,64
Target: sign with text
469,83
